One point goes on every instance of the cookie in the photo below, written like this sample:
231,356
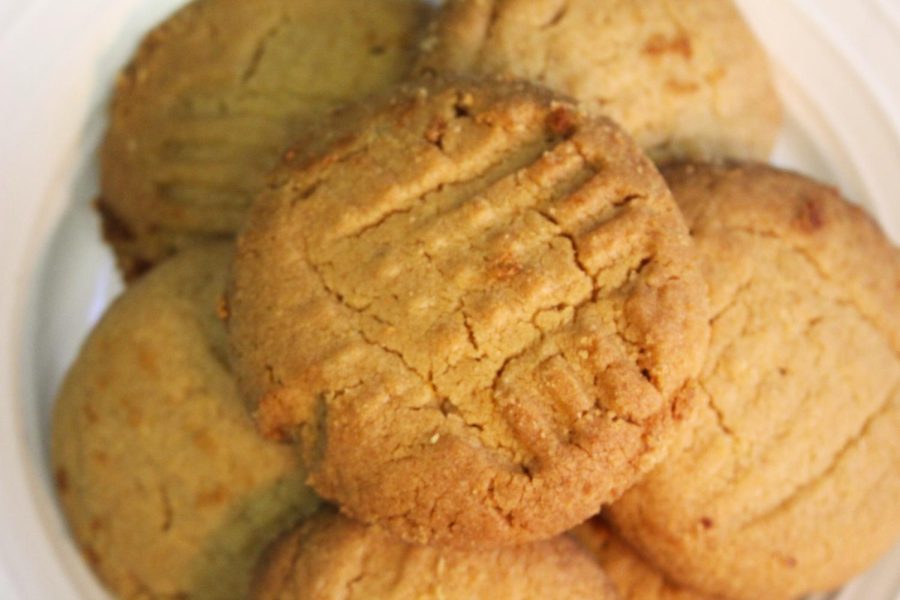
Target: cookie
476,314
217,92
790,484
331,556
630,574
168,489
686,78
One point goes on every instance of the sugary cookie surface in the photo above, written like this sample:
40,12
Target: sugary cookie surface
331,557
476,314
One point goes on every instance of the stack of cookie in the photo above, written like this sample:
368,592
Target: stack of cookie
411,304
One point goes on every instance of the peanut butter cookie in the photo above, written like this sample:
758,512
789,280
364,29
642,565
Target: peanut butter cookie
630,574
686,78
792,480
169,490
332,557
477,314
217,92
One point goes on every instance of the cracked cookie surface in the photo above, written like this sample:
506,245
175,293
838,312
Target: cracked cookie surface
168,488
686,78
331,557
790,484
217,92
632,577
476,313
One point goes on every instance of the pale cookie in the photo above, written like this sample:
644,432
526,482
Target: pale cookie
686,78
332,557
476,314
217,92
630,574
169,490
792,481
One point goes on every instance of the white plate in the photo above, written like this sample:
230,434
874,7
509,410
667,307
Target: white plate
838,70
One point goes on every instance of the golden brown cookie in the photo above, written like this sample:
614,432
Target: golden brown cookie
332,557
169,490
217,92
476,314
685,77
630,574
791,482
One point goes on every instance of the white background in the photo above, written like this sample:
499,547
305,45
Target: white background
837,66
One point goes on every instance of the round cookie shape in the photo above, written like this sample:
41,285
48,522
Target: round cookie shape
686,78
477,314
631,576
217,92
331,556
168,488
791,481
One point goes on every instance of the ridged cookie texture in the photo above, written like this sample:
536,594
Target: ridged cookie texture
686,78
169,490
217,92
791,482
632,577
477,314
332,557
